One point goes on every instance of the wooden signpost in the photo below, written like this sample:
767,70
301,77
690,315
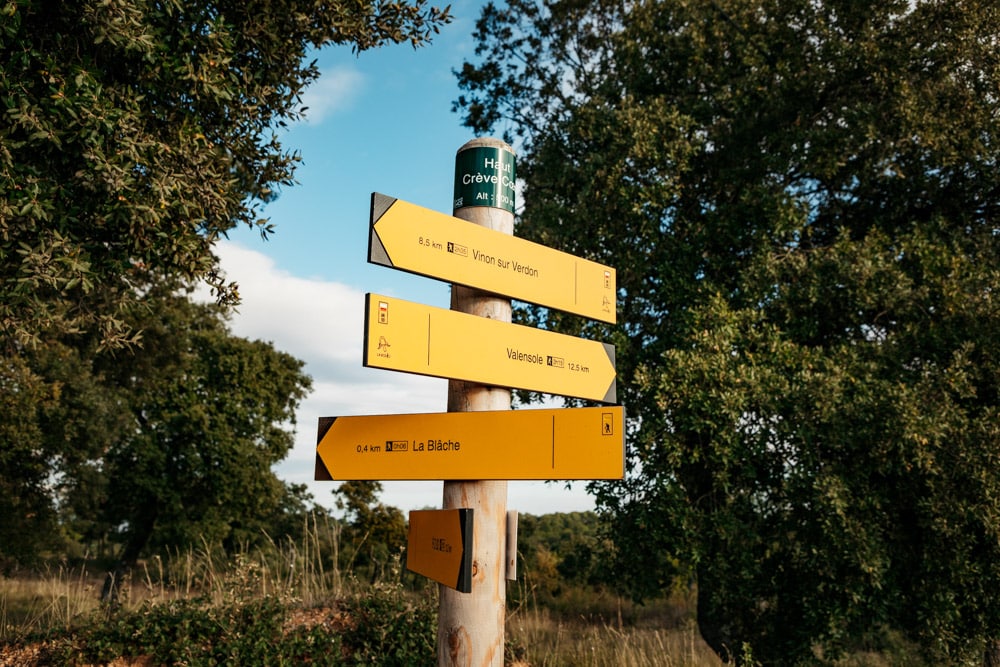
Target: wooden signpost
464,546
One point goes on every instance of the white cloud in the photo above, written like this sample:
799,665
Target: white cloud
335,90
322,323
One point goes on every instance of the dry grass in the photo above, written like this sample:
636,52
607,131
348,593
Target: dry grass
585,630
45,600
589,629
660,636
292,570
545,641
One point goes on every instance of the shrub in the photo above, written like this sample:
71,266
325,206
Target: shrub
391,627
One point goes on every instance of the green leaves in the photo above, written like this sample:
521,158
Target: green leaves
141,132
800,201
209,416
133,135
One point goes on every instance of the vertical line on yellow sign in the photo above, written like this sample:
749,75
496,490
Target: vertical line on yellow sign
553,442
428,340
576,282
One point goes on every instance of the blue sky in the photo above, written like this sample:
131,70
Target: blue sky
382,122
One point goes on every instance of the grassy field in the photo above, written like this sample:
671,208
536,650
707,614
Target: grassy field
539,638
288,604
197,609
53,616
282,605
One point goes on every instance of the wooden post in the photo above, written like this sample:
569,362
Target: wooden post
471,625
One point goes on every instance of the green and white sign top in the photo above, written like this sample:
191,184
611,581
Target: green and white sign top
484,176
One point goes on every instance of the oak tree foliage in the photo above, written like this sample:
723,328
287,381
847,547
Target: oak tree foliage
801,200
374,534
170,445
135,133
208,416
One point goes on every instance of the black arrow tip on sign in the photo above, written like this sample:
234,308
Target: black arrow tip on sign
323,426
380,204
376,250
464,581
321,473
611,396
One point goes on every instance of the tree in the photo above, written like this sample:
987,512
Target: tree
135,133
801,200
374,532
58,418
561,551
27,518
166,446
208,415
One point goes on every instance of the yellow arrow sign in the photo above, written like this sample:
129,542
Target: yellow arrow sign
439,546
414,338
409,237
568,443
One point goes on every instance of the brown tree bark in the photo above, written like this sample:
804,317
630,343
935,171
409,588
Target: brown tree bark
991,656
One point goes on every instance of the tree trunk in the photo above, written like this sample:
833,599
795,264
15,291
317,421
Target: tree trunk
991,656
711,623
137,541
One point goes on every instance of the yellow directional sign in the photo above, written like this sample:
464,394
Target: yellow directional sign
409,237
568,443
414,338
439,546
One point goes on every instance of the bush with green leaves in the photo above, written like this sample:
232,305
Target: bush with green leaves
391,627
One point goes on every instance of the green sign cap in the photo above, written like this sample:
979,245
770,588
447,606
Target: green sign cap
484,176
